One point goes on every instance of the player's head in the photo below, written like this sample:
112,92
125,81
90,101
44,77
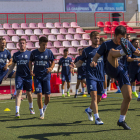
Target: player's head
102,40
95,38
2,43
135,42
128,37
22,44
65,52
120,32
80,51
43,42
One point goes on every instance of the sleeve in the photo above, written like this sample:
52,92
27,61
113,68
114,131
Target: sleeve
14,59
70,60
9,55
131,47
102,49
32,58
84,56
75,60
51,58
60,62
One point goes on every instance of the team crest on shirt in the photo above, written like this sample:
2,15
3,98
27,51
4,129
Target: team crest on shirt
22,56
1,55
46,56
26,56
5,55
37,89
42,57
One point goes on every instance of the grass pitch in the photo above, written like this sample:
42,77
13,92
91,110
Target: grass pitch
65,119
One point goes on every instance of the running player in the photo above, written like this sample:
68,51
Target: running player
4,56
42,73
111,50
94,76
104,95
81,74
134,68
66,72
23,78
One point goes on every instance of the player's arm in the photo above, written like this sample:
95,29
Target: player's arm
10,70
129,59
30,67
8,64
58,70
94,60
77,64
51,67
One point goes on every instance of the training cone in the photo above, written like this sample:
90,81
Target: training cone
84,95
113,86
7,109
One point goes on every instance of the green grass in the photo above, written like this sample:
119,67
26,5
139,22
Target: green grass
65,119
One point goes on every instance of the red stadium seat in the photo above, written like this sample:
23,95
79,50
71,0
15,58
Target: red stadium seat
74,25
63,31
38,32
7,38
24,26
25,37
79,31
61,51
77,37
55,51
37,45
108,24
66,25
33,38
29,32
123,23
66,44
84,43
11,32
57,44
41,25
49,45
113,29
58,25
20,32
72,51
130,30
55,31
16,26
2,32
7,26
75,43
86,36
46,32
15,38
61,38
30,45
69,37
33,26
71,31
11,46
115,23
13,51
107,30
50,25
100,24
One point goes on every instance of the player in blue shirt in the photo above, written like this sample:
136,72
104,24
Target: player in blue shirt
81,74
43,65
23,80
94,76
111,50
65,72
4,56
134,68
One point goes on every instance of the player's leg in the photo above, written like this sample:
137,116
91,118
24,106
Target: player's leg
46,92
77,86
105,88
118,88
18,102
138,79
83,85
63,84
68,79
134,92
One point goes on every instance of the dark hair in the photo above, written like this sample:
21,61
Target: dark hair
43,39
120,30
22,39
133,40
102,39
81,49
1,38
128,34
65,50
94,33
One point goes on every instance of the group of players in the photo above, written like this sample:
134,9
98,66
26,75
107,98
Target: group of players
110,58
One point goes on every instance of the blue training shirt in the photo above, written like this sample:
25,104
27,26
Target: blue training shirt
94,73
22,60
41,63
4,55
82,69
107,45
65,62
133,66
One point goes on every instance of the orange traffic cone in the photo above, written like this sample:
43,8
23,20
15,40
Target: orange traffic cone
113,86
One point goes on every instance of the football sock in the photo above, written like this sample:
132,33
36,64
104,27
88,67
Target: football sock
105,91
62,91
41,111
96,116
122,52
83,90
118,87
15,92
139,95
17,109
76,91
122,118
44,107
68,90
133,88
31,105
89,110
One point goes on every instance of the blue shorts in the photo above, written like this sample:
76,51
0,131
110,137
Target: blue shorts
3,73
23,83
66,78
119,74
42,86
95,86
81,77
134,76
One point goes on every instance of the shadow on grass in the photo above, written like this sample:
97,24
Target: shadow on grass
45,136
14,119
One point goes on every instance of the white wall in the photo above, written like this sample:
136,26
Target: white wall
38,6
